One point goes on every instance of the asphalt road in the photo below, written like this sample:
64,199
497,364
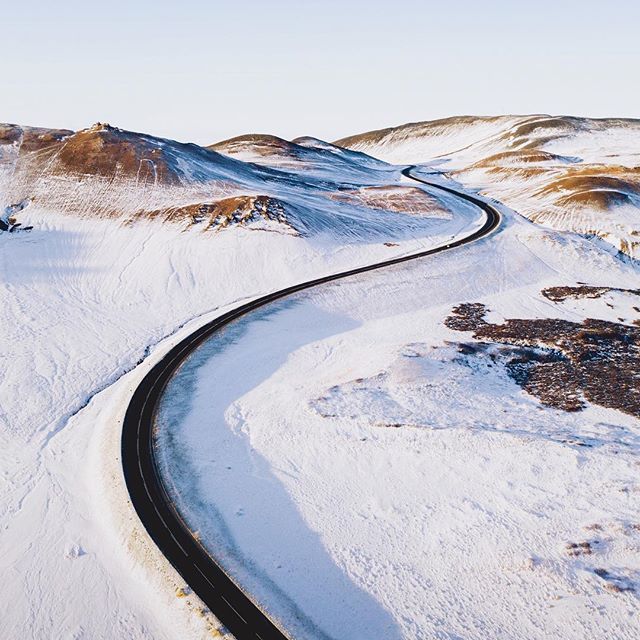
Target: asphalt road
234,608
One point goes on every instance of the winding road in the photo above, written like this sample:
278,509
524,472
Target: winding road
235,609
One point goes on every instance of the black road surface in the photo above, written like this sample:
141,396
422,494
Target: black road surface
234,608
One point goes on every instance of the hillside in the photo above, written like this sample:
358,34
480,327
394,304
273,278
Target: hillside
136,241
568,173
261,182
307,154
447,444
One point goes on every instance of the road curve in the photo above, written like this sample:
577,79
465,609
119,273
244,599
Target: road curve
235,609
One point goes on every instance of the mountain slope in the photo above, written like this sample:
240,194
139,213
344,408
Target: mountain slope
137,241
569,173
262,182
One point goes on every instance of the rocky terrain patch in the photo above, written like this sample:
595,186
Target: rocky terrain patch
242,210
560,294
564,364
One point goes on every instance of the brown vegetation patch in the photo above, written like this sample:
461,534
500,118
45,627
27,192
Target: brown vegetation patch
110,153
596,186
218,215
560,294
39,139
632,174
596,199
579,182
10,133
557,124
261,144
586,182
466,317
562,362
521,156
393,198
32,138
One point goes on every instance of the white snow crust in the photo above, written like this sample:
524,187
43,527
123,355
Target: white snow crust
363,479
83,301
346,464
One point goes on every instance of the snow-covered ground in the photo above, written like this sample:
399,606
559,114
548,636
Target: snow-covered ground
349,465
566,173
83,300
363,477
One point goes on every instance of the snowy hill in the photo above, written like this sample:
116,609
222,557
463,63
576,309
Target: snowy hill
422,466
306,154
260,181
135,241
568,173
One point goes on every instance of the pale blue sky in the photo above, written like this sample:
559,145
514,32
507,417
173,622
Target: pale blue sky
205,70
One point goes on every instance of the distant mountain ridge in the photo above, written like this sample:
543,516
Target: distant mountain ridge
569,173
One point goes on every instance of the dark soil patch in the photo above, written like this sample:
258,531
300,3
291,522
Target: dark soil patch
579,548
564,363
560,294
